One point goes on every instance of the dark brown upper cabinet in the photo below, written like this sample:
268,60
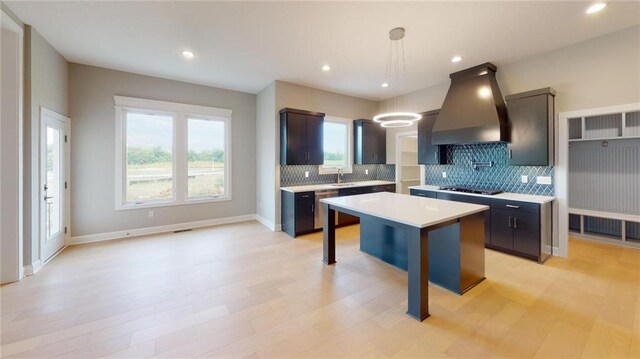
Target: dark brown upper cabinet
531,115
429,154
301,137
369,142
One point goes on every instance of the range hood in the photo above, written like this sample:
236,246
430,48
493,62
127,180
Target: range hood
474,110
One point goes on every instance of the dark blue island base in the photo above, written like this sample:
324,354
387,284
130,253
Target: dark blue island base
455,252
449,253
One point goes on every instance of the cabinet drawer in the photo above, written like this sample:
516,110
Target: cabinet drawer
353,191
384,188
462,198
515,206
305,196
421,193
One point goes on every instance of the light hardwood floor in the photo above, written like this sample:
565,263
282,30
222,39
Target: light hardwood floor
242,291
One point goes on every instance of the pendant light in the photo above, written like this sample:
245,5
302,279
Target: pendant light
394,74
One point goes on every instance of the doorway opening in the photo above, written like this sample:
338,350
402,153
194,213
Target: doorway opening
408,171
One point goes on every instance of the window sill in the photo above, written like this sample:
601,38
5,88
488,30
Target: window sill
125,207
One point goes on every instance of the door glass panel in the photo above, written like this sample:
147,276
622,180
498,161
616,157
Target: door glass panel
53,205
206,165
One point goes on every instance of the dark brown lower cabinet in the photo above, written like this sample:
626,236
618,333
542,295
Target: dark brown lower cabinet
298,212
519,228
298,209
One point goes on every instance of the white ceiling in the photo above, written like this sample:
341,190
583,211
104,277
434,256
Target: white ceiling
245,46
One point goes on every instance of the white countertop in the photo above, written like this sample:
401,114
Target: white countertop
327,186
411,210
504,195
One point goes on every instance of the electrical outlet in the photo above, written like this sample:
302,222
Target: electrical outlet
444,174
306,174
543,180
150,214
366,171
524,179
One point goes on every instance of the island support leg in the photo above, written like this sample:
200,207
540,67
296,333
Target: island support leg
418,272
328,235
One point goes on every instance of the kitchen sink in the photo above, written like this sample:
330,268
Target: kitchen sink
343,184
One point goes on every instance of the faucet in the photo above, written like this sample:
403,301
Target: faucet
340,174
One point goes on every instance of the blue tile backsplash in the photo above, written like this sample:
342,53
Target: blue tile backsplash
294,175
501,176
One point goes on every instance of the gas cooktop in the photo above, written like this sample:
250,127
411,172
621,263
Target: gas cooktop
487,191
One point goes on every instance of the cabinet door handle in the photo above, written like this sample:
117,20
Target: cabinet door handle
510,154
313,208
435,156
513,206
515,222
510,218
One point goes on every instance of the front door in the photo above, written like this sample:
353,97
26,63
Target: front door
54,170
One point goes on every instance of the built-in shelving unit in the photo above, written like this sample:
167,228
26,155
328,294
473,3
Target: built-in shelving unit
603,177
605,127
409,170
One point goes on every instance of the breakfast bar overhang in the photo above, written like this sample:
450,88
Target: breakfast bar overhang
434,240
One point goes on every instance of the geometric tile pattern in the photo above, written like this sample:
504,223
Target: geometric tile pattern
501,176
294,175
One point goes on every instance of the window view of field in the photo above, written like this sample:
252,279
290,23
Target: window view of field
150,157
206,158
335,144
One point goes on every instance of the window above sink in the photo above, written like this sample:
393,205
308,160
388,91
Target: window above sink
338,146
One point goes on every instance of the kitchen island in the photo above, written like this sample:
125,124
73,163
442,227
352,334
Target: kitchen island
434,240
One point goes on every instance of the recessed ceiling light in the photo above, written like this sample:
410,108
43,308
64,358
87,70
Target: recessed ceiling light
596,7
385,84
326,68
456,59
188,54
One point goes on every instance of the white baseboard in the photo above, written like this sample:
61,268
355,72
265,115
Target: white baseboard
158,229
32,268
272,226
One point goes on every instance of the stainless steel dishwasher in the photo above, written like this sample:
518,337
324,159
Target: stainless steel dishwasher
317,223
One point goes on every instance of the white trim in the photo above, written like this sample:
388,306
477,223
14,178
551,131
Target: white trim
66,133
609,215
324,170
272,226
562,167
155,105
180,113
158,229
33,268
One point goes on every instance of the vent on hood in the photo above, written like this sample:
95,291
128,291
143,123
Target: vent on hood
474,110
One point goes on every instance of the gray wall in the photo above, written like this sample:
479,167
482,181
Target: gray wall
603,71
312,99
91,90
274,97
46,84
267,158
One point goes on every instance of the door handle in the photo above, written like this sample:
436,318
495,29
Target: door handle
515,222
510,154
435,156
513,206
510,218
313,208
